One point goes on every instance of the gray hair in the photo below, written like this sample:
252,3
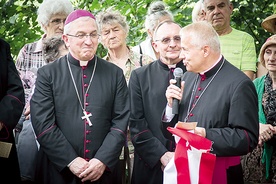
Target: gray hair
156,11
197,8
51,48
110,16
48,8
202,33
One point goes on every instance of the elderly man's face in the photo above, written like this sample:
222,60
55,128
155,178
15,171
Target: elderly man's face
82,39
218,13
191,55
167,43
55,25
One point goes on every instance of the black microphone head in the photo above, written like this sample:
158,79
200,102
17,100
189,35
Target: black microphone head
178,72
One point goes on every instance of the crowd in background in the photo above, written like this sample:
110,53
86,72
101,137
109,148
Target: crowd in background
97,120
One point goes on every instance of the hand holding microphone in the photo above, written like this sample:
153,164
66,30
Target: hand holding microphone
173,95
178,72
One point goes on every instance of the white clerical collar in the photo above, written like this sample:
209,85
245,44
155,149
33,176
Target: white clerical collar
202,73
83,63
172,66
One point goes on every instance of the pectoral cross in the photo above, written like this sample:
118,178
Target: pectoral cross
86,116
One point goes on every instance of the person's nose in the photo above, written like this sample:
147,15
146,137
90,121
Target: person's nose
272,57
173,43
88,39
216,10
112,34
61,25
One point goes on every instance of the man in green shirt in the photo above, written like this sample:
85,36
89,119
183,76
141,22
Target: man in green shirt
237,47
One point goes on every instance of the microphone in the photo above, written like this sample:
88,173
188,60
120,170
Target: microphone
178,72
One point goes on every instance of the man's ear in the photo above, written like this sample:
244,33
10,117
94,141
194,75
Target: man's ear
65,39
155,47
206,50
150,33
231,7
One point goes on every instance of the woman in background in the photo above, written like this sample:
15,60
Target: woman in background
157,13
260,165
114,31
198,13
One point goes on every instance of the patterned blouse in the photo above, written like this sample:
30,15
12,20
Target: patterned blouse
134,61
29,59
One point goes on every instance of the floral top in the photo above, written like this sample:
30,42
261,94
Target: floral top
134,61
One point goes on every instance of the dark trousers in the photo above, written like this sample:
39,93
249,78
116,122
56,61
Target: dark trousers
234,175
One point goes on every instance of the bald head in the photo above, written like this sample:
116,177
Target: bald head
200,47
202,33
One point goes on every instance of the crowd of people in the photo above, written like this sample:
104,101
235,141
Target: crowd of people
69,116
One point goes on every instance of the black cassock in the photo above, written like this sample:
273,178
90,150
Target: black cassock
147,87
12,101
56,117
226,107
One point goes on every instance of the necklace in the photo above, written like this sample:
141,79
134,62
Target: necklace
86,114
194,90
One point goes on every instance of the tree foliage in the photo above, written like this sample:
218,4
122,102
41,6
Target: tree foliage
19,25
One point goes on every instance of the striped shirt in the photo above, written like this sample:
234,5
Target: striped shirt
238,48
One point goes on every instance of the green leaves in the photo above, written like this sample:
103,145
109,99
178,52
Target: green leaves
19,25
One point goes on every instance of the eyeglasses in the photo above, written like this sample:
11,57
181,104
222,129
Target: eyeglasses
57,21
82,36
167,40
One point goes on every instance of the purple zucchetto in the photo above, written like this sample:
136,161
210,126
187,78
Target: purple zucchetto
77,14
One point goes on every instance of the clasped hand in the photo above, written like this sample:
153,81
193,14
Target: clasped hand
87,171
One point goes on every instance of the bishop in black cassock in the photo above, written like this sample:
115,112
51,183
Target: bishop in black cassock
227,109
12,102
80,110
57,116
220,98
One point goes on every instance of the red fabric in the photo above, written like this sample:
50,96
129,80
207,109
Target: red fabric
181,162
207,162
207,168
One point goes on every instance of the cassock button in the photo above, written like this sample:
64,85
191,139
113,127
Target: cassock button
87,131
197,96
86,94
202,77
87,141
86,103
85,85
199,89
191,114
87,151
87,159
85,76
